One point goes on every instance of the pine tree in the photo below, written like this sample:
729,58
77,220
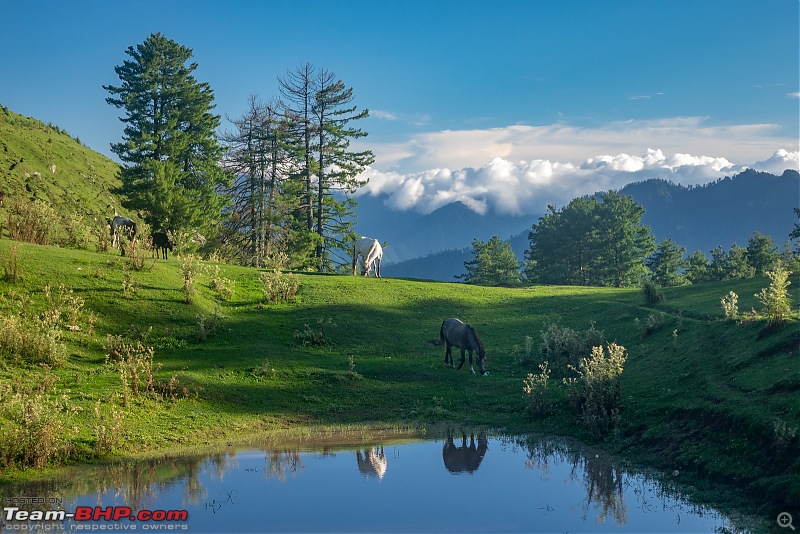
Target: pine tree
699,268
259,158
666,263
169,149
590,241
338,166
494,263
761,252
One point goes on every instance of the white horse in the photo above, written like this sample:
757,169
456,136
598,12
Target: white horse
371,254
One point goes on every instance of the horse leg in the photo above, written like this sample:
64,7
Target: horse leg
448,354
471,369
463,358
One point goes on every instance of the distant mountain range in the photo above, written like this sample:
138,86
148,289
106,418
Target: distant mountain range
435,246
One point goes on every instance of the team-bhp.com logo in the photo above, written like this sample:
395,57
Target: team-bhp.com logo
93,514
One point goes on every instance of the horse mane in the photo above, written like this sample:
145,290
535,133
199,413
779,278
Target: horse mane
477,337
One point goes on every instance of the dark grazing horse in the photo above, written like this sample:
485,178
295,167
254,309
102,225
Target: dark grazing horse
161,242
455,333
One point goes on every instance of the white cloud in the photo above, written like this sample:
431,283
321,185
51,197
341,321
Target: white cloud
778,162
526,187
520,169
383,115
793,95
561,142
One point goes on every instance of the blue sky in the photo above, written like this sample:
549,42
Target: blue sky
499,104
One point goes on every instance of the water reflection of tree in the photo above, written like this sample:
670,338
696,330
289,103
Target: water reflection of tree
601,478
279,463
603,482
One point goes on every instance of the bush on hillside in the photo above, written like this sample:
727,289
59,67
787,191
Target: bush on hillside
775,298
596,393
564,347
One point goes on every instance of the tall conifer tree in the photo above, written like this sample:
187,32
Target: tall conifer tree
169,150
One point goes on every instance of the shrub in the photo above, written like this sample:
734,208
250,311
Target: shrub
730,306
35,434
279,287
78,233
775,298
209,325
11,269
134,363
653,323
652,293
37,338
190,265
31,221
314,336
108,429
535,387
222,286
564,347
596,393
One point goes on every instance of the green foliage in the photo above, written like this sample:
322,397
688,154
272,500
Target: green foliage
730,265
653,323
277,286
565,347
494,263
190,267
32,429
32,222
314,336
761,253
698,269
169,147
775,298
730,306
597,393
535,388
590,241
652,293
666,264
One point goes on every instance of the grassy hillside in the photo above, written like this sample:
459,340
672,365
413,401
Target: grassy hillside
701,395
41,161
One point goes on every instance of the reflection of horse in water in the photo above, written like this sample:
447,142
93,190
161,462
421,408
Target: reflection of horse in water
371,462
464,458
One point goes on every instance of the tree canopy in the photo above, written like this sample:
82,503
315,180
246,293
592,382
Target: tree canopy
170,152
596,240
494,263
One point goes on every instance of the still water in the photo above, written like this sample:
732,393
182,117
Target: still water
465,483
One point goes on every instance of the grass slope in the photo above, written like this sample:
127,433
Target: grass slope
41,161
702,395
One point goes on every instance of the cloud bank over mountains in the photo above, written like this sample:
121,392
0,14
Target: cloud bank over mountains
526,187
494,171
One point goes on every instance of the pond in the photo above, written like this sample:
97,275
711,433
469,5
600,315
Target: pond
462,482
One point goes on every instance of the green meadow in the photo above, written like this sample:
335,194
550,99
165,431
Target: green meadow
716,400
